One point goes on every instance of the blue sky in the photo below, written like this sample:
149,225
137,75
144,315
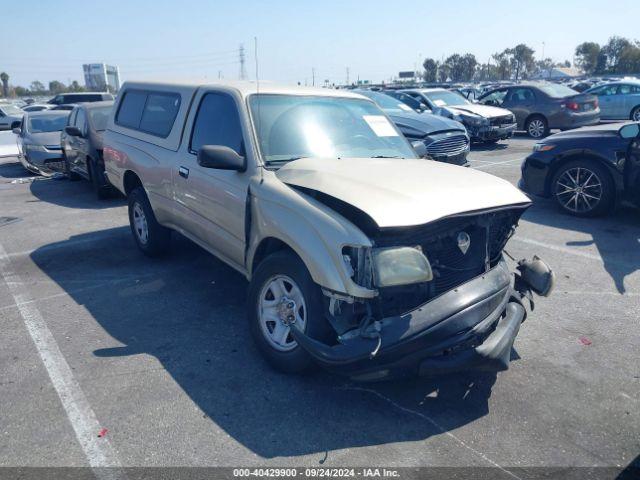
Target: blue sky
375,39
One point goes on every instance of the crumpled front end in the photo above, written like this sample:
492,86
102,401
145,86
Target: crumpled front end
465,316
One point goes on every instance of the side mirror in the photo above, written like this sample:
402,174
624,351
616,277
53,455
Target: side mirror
16,130
420,148
221,158
73,131
15,124
630,131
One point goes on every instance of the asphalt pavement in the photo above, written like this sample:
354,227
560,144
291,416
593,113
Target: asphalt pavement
110,358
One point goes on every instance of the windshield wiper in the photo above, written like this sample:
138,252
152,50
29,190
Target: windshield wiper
283,160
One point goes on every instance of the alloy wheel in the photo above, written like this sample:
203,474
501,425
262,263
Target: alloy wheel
579,190
636,115
140,223
280,306
536,128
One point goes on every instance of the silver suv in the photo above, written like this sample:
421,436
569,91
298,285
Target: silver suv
361,256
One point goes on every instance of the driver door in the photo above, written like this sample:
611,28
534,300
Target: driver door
211,203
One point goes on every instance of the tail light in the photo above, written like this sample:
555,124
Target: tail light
571,106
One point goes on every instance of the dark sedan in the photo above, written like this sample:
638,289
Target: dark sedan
587,171
541,107
82,144
445,140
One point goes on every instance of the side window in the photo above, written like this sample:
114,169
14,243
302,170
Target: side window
159,113
607,90
130,110
72,117
521,95
495,98
625,89
217,123
81,121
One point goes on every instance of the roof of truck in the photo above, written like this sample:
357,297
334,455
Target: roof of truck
245,88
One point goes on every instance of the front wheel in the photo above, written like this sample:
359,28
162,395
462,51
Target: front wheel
537,127
282,296
151,237
635,114
583,188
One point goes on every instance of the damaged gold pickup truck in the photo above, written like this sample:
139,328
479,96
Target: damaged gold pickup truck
362,257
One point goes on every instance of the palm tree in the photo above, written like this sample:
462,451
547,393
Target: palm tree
5,84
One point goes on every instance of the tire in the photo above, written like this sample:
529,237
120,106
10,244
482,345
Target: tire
596,194
537,126
74,177
285,356
151,237
635,114
96,172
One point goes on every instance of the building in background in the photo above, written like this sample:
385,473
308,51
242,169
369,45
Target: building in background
100,77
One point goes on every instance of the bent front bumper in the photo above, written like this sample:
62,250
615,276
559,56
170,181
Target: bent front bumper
470,327
491,132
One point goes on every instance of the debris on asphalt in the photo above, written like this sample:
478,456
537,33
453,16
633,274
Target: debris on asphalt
102,432
585,341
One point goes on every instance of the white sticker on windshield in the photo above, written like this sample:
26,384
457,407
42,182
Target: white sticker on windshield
440,103
404,107
380,125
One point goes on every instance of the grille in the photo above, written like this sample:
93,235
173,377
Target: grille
448,146
488,232
502,120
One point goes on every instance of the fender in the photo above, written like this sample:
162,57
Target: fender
312,230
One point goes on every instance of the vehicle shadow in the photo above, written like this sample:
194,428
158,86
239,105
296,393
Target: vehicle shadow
12,170
61,191
616,236
188,311
488,147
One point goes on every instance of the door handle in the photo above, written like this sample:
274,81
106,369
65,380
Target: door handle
183,172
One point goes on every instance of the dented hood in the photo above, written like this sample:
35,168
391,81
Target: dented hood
399,192
486,111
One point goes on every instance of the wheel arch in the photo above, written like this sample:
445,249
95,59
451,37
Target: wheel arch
130,181
578,156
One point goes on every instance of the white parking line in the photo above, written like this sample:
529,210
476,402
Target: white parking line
493,164
557,248
98,451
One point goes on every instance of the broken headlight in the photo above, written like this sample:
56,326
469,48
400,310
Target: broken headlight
400,266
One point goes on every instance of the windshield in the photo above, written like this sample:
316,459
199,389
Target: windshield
48,123
10,109
557,91
99,117
384,101
293,126
443,98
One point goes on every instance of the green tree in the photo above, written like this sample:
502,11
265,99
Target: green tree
469,65
503,65
37,87
430,70
544,66
56,87
443,72
586,57
4,78
21,91
522,60
454,67
76,87
614,50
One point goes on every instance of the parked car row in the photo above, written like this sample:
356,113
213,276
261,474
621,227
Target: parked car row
362,256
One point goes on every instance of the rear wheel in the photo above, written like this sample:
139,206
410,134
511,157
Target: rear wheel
151,237
282,296
635,114
583,188
537,127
